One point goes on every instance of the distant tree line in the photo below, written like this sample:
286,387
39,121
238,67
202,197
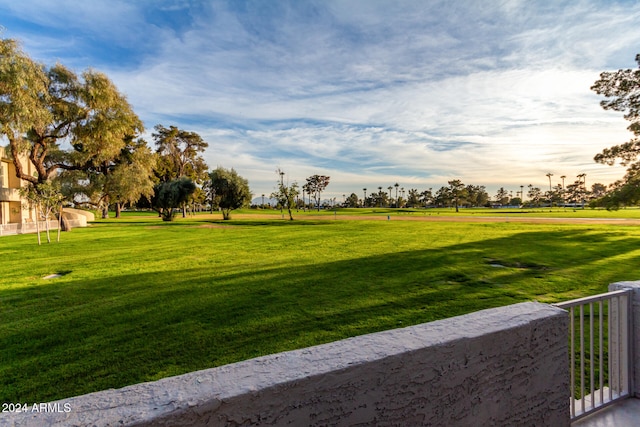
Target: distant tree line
458,195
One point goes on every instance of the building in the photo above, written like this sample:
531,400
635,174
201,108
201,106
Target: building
13,210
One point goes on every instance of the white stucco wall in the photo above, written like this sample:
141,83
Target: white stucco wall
503,366
81,217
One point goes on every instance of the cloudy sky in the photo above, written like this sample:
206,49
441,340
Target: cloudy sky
369,92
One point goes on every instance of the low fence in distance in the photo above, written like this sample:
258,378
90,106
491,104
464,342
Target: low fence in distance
30,227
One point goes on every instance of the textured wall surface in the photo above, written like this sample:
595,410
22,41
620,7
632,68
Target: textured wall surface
502,366
635,301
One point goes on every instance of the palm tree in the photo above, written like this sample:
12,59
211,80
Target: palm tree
389,188
380,193
364,201
549,175
583,177
396,185
306,188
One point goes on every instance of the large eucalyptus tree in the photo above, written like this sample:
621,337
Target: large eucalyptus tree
58,120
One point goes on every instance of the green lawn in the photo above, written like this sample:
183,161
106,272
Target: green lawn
569,212
140,299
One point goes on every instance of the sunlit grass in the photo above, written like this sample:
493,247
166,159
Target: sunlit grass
140,299
555,212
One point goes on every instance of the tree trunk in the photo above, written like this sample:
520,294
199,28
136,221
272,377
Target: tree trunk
118,209
167,214
38,225
59,222
46,224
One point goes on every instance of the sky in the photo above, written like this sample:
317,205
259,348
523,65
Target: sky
369,92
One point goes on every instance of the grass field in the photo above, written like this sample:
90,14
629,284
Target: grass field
140,299
568,212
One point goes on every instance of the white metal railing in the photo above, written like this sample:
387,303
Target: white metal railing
26,227
30,227
599,350
7,229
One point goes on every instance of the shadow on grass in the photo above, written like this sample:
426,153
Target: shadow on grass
69,338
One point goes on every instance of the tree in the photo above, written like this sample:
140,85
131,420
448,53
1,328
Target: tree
535,195
413,198
46,199
378,199
442,198
556,195
622,193
621,90
286,193
457,191
426,197
306,189
44,110
170,195
316,184
351,201
180,155
397,205
230,189
197,200
502,196
598,190
129,177
120,180
476,195
601,196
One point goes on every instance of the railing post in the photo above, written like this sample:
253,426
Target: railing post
632,323
619,353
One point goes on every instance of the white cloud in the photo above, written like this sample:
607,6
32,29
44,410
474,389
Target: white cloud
366,91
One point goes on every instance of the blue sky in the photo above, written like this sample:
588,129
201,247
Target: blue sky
369,92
